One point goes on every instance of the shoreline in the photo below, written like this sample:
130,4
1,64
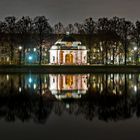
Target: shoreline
70,69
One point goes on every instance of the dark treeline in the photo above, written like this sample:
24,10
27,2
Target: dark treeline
118,27
27,107
105,33
115,27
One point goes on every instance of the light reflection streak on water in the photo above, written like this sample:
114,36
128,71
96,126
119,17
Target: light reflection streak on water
108,96
72,86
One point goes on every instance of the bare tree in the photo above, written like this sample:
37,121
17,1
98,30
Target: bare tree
24,26
125,30
11,30
42,28
136,36
59,28
79,28
70,28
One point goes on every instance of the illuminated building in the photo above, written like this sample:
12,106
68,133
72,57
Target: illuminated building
68,86
68,51
4,55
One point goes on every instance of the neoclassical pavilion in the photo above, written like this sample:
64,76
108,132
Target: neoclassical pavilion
68,51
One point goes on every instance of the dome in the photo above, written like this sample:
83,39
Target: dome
68,38
68,43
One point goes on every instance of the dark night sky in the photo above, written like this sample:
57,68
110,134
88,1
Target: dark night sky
70,11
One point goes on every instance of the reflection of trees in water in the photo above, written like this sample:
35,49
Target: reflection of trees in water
42,110
109,97
114,108
105,107
25,106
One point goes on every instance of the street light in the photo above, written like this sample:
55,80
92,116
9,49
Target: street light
20,47
67,33
20,50
30,57
30,80
135,48
34,49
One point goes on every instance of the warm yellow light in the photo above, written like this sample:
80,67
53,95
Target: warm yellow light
20,47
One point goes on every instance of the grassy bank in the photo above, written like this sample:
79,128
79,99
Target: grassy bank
69,69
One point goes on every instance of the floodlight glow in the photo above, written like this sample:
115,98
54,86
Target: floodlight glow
135,48
30,80
30,57
34,49
19,89
35,86
67,33
67,106
8,59
7,77
20,47
135,88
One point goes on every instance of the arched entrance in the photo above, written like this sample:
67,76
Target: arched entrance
69,58
69,80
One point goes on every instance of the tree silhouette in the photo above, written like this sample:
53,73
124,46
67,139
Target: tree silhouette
70,29
11,30
125,33
79,28
41,28
24,26
103,29
136,36
59,28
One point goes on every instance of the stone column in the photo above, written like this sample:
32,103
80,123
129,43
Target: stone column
81,57
78,57
64,57
74,57
57,57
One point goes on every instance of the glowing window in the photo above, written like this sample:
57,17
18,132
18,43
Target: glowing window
53,80
53,58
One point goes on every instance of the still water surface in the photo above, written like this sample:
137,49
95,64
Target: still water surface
70,106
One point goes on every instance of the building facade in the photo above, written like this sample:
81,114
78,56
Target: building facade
68,51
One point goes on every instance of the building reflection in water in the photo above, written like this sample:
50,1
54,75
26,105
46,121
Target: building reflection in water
68,86
108,96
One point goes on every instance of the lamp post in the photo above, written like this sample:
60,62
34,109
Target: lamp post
136,53
20,51
35,49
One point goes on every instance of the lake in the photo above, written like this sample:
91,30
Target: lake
70,106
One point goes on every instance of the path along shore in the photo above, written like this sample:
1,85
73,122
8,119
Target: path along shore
70,69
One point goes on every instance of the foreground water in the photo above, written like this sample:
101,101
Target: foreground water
70,106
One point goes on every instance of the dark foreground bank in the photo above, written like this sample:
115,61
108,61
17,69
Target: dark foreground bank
69,69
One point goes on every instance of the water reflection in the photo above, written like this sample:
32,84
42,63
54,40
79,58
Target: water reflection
34,97
68,86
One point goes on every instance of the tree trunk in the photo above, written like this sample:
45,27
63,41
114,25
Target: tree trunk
125,53
89,46
12,53
113,56
23,55
106,54
137,55
40,56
